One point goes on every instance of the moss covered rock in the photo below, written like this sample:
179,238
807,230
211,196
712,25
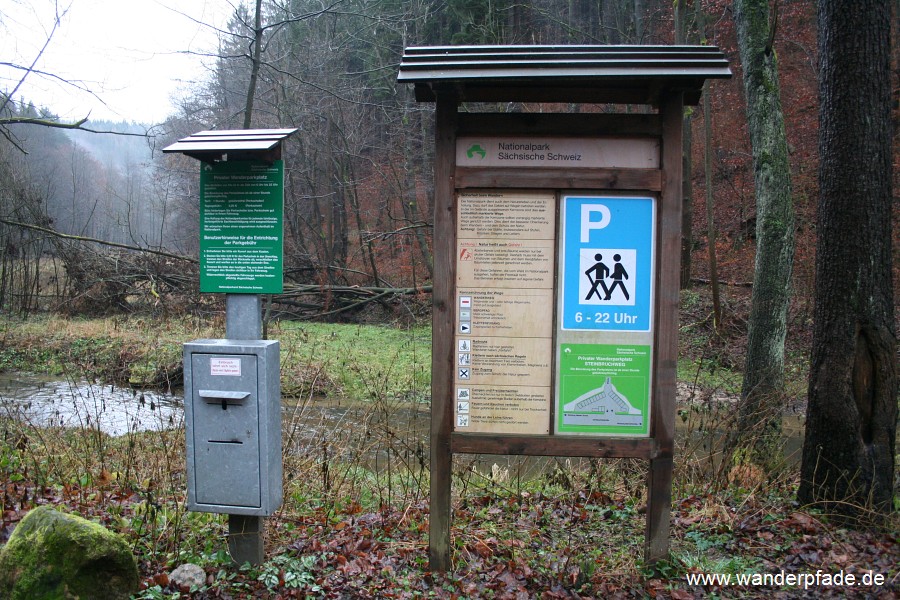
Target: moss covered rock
53,555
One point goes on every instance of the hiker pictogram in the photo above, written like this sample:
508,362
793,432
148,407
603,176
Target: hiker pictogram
600,272
606,283
618,273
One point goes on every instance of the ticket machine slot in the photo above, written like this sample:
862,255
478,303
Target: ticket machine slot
222,397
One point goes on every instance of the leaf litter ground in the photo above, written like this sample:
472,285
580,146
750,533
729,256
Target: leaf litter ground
565,543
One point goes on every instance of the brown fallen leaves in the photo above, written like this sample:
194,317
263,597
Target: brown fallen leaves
578,544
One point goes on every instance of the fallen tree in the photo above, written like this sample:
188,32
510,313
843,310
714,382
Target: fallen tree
104,278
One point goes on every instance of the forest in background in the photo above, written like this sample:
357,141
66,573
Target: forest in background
358,187
86,234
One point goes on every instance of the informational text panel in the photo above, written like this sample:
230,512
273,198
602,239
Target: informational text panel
241,227
505,266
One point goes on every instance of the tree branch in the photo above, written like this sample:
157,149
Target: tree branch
8,97
43,122
79,238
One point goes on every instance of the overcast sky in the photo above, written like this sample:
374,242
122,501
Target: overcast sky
130,53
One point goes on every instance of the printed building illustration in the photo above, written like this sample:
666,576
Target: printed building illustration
602,406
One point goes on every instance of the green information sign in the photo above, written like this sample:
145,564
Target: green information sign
241,227
604,389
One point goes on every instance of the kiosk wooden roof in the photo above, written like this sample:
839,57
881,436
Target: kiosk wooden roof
619,74
234,144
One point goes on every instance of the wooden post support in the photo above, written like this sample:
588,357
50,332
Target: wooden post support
659,478
443,318
243,321
245,539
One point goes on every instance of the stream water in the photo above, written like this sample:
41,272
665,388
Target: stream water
328,429
114,410
312,427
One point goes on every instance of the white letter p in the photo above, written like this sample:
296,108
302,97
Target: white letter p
587,225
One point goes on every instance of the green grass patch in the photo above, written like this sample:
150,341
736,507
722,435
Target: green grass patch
137,351
360,362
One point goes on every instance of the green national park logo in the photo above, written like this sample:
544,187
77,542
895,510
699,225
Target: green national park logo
476,149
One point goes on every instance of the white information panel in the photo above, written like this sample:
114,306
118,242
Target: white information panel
584,153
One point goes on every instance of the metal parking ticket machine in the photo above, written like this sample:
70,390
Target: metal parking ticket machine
232,385
233,425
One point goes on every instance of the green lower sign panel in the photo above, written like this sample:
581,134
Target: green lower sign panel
604,389
241,227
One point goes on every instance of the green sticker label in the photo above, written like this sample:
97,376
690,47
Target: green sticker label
604,389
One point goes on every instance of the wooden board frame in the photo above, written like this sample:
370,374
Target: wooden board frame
663,183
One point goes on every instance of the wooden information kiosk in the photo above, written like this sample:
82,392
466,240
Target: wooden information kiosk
556,257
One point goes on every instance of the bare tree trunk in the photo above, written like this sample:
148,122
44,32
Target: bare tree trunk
848,450
337,222
411,213
710,221
687,189
365,245
413,157
638,21
763,387
5,266
710,183
255,61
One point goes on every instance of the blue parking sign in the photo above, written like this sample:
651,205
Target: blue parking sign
606,263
